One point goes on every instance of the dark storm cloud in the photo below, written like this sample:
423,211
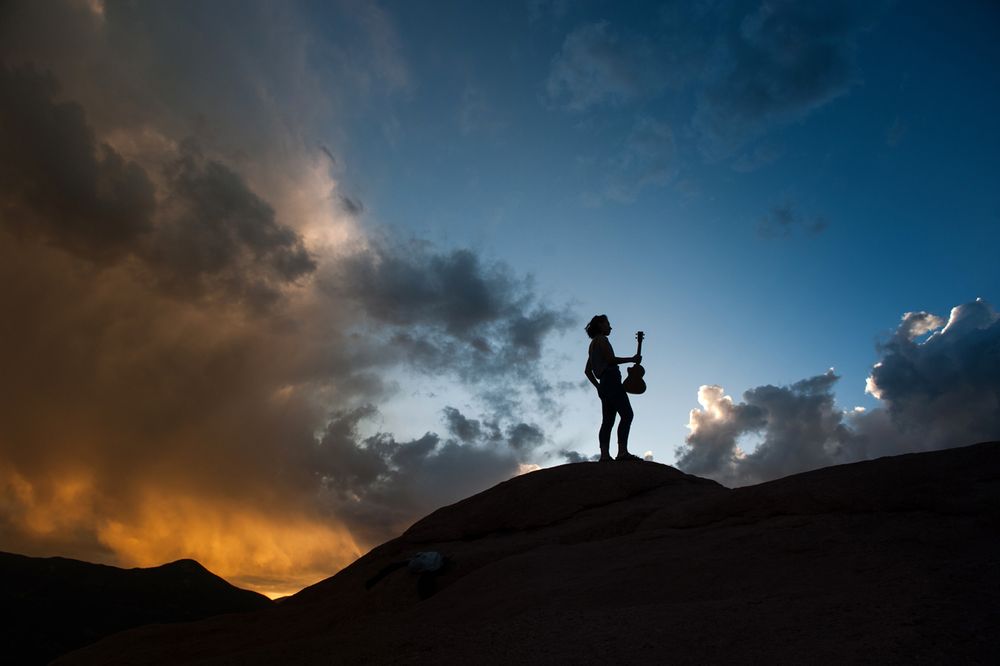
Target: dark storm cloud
524,437
464,429
450,310
380,485
799,428
211,230
150,409
939,392
576,457
944,390
784,221
57,181
215,229
485,431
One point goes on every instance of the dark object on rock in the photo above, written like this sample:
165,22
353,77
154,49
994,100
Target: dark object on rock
427,565
53,605
886,561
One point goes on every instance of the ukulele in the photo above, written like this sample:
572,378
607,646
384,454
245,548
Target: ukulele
634,383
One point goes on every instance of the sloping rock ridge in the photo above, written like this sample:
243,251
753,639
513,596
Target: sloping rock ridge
885,561
55,604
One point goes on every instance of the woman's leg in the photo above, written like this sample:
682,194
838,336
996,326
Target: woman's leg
608,412
624,409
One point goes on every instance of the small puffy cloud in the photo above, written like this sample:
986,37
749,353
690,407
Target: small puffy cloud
711,446
575,456
939,392
784,221
351,205
799,428
462,428
524,437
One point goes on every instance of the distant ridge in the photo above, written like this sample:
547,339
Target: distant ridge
885,561
53,605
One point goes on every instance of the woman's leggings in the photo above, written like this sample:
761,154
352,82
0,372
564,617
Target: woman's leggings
614,401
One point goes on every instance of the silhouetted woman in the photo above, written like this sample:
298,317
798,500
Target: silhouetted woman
602,371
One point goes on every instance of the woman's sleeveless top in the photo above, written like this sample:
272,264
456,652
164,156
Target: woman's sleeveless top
597,362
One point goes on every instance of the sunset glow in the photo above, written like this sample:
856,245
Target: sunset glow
281,278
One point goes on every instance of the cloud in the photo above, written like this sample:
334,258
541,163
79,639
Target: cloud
208,232
747,67
896,133
185,370
781,61
943,391
215,230
477,113
595,66
450,310
351,205
784,221
575,456
647,159
379,484
57,181
539,9
757,157
525,437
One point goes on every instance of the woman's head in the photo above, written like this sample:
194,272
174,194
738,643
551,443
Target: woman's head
599,325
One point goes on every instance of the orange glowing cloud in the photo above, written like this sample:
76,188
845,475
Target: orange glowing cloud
274,553
271,553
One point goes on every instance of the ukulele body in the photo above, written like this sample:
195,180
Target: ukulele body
635,383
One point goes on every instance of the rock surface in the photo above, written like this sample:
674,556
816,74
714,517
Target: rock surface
53,605
886,561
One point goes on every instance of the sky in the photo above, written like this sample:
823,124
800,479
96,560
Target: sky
282,278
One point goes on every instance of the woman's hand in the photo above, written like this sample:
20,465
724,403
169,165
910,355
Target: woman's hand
637,358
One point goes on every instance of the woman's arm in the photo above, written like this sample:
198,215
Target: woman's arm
610,358
589,372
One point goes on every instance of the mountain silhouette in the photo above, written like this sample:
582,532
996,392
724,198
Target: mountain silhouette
53,605
885,561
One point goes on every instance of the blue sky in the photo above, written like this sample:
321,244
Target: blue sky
895,156
282,278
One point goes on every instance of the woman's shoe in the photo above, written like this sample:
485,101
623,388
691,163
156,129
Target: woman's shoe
628,456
